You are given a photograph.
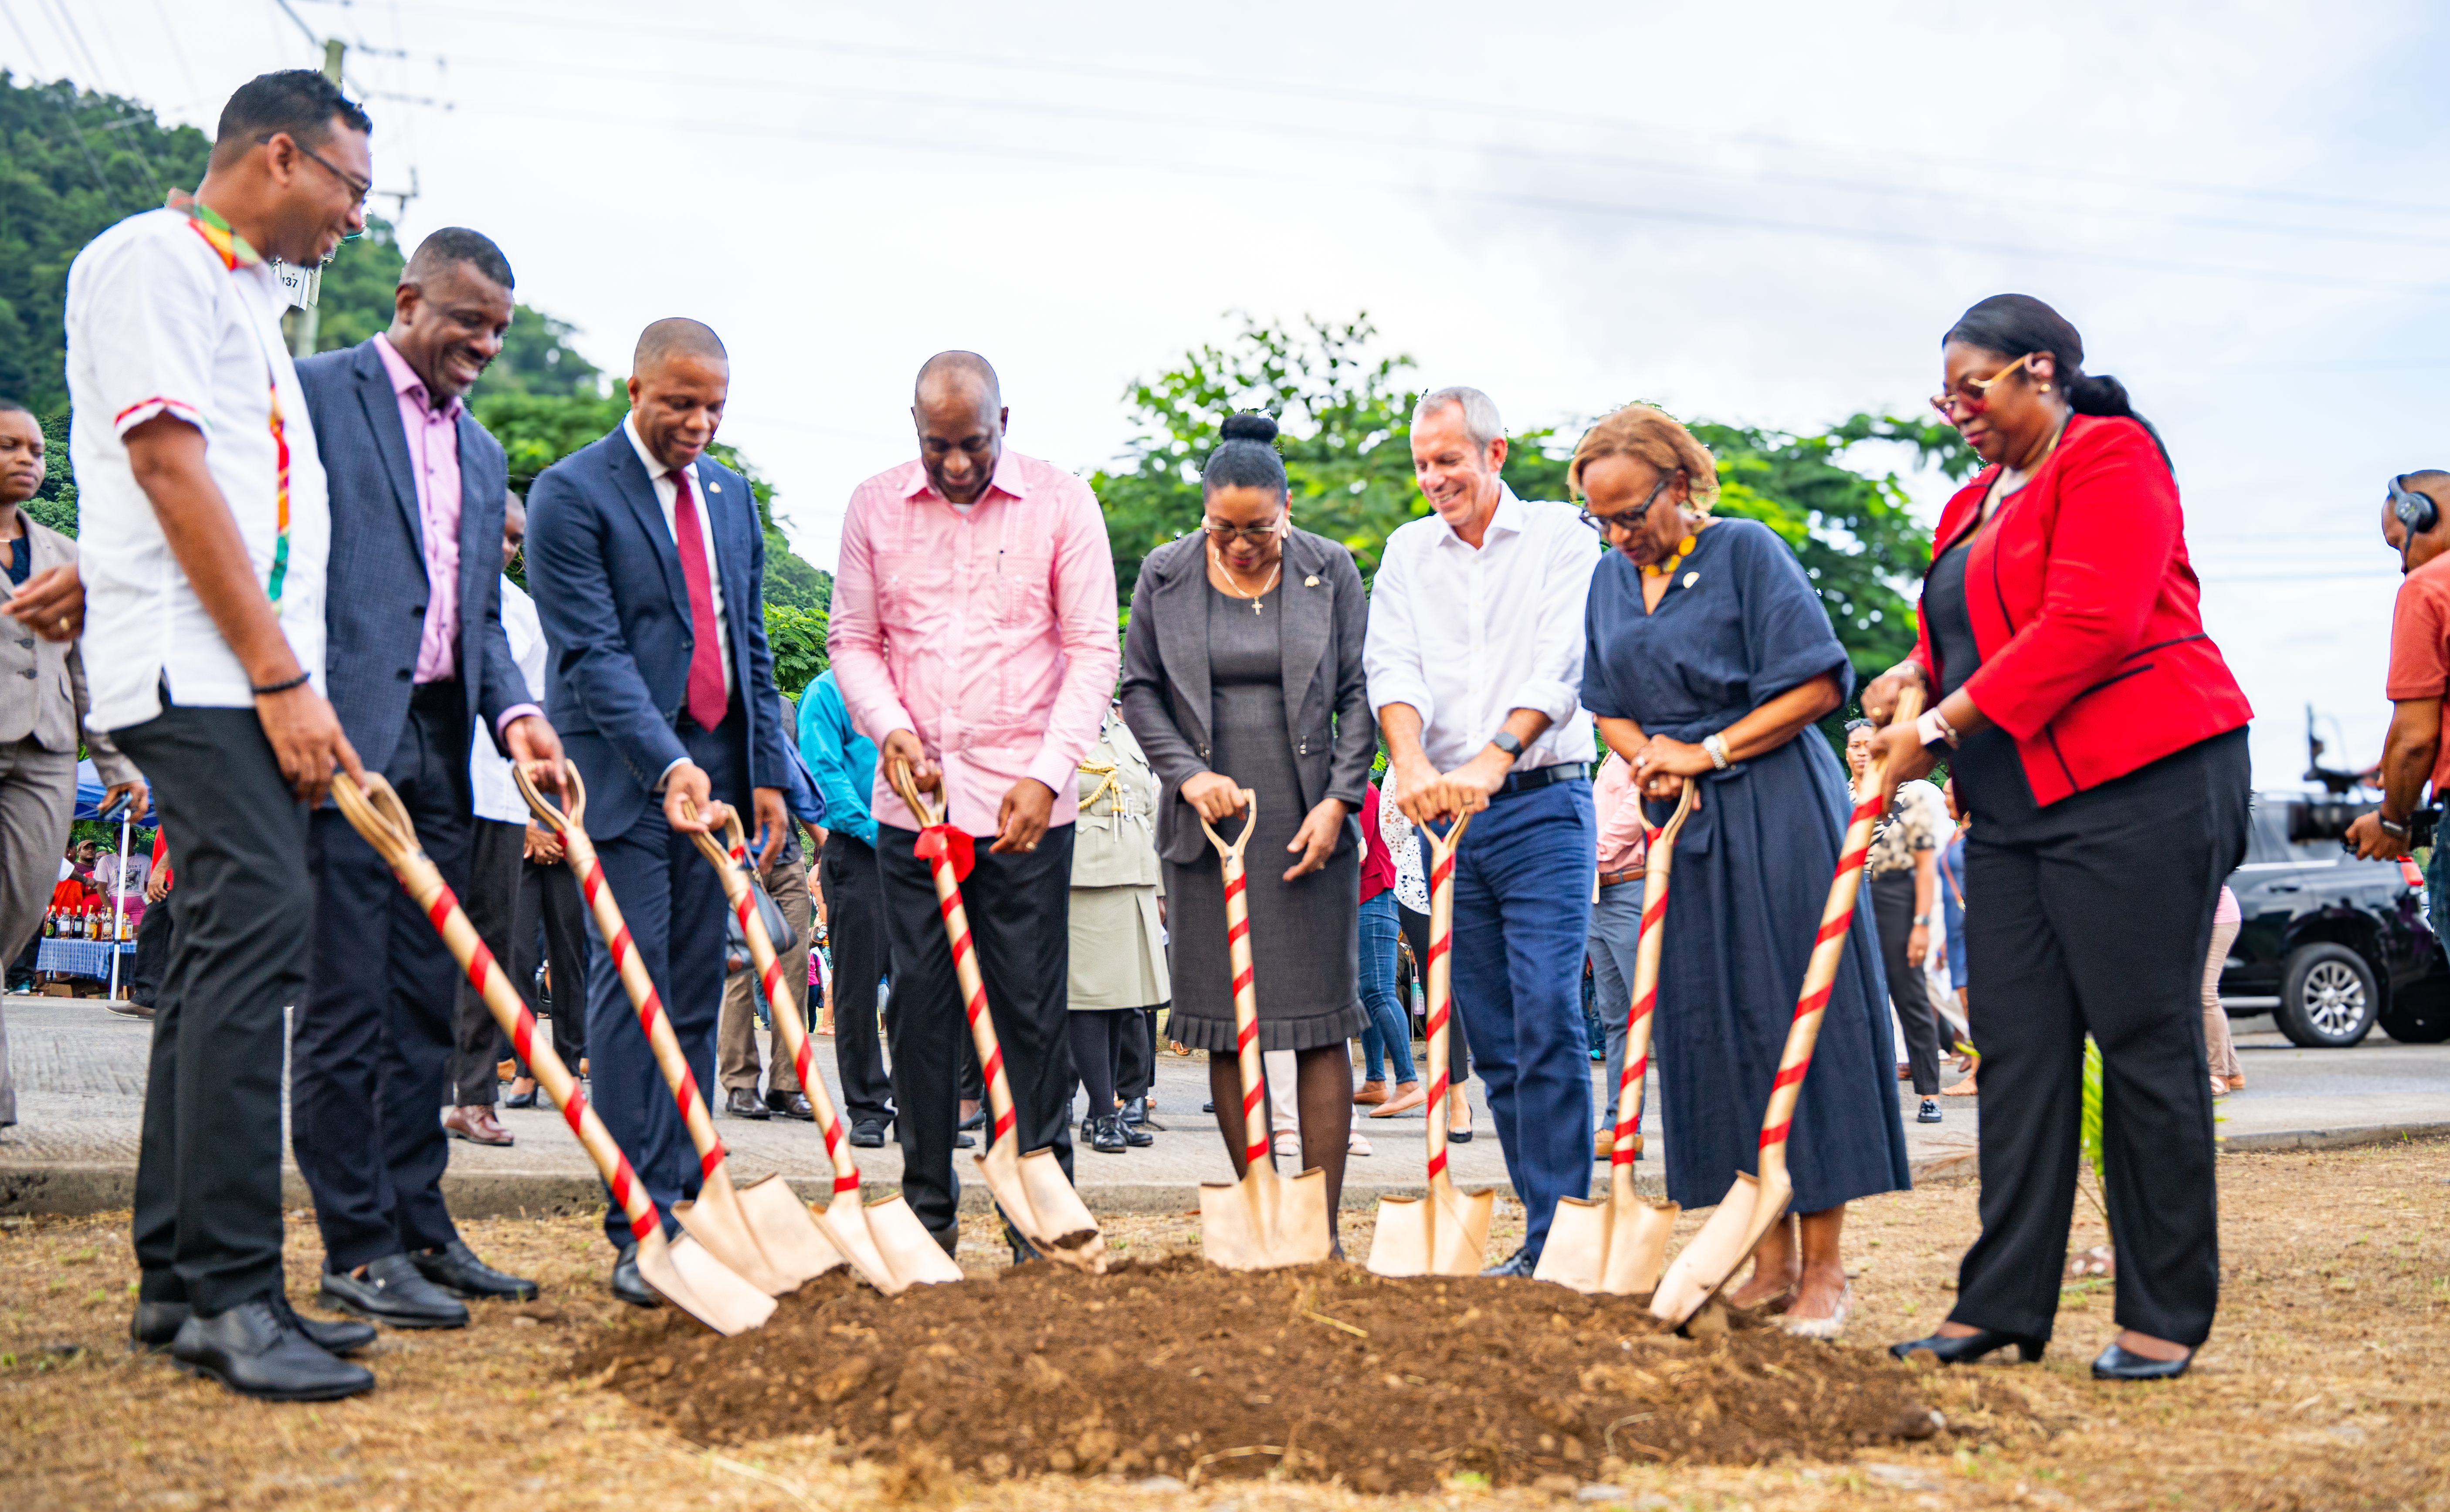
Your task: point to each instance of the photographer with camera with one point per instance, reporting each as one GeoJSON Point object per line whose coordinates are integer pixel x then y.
{"type": "Point", "coordinates": [2413, 523]}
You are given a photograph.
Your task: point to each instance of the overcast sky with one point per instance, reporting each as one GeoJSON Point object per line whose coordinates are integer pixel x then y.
{"type": "Point", "coordinates": [1752, 213]}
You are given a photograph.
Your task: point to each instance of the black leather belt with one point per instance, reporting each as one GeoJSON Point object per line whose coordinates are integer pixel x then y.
{"type": "Point", "coordinates": [1540, 777]}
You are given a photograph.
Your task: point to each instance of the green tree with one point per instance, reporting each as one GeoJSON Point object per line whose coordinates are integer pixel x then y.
{"type": "Point", "coordinates": [354, 298]}
{"type": "Point", "coordinates": [536, 357]}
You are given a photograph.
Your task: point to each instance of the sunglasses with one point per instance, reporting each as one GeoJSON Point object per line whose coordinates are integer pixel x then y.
{"type": "Point", "coordinates": [1978, 401]}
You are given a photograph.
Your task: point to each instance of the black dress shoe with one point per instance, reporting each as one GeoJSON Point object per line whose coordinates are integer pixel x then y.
{"type": "Point", "coordinates": [963, 1141]}
{"type": "Point", "coordinates": [1929, 1112]}
{"type": "Point", "coordinates": [627, 1285]}
{"type": "Point", "coordinates": [1972, 1346]}
{"type": "Point", "coordinates": [742, 1102]}
{"type": "Point", "coordinates": [155, 1324]}
{"type": "Point", "coordinates": [868, 1134]}
{"type": "Point", "coordinates": [1521, 1262]}
{"type": "Point", "coordinates": [977, 1119]}
{"type": "Point", "coordinates": [256, 1350]}
{"type": "Point", "coordinates": [792, 1105]}
{"type": "Point", "coordinates": [456, 1270]}
{"type": "Point", "coordinates": [392, 1291]}
{"type": "Point", "coordinates": [1133, 1135]}
{"type": "Point", "coordinates": [2115, 1364]}
{"type": "Point", "coordinates": [1136, 1112]}
{"type": "Point", "coordinates": [1106, 1135]}
{"type": "Point", "coordinates": [156, 1327]}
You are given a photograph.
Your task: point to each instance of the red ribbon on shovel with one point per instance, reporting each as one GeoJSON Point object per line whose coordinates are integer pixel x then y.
{"type": "Point", "coordinates": [951, 844]}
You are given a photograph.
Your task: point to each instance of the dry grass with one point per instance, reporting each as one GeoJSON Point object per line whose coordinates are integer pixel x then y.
{"type": "Point", "coordinates": [2326, 1384]}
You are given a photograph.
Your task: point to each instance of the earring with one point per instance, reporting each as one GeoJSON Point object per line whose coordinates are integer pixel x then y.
{"type": "Point", "coordinates": [2045, 388]}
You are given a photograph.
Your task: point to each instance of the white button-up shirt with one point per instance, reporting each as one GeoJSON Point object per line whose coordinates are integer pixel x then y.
{"type": "Point", "coordinates": [159, 323]}
{"type": "Point", "coordinates": [668, 494]}
{"type": "Point", "coordinates": [1468, 636]}
{"type": "Point", "coordinates": [488, 771]}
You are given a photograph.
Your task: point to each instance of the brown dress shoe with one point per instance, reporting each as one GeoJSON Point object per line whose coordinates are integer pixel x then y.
{"type": "Point", "coordinates": [1370, 1095]}
{"type": "Point", "coordinates": [476, 1125]}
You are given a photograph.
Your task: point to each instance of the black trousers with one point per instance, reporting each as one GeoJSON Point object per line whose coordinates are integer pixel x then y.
{"type": "Point", "coordinates": [1137, 1072]}
{"type": "Point", "coordinates": [491, 903]}
{"type": "Point", "coordinates": [2096, 915]}
{"type": "Point", "coordinates": [855, 926]}
{"type": "Point", "coordinates": [1020, 911]}
{"type": "Point", "coordinates": [551, 913]}
{"type": "Point", "coordinates": [208, 1229]}
{"type": "Point", "coordinates": [673, 904]}
{"type": "Point", "coordinates": [370, 1054]}
{"type": "Point", "coordinates": [1892, 911]}
{"type": "Point", "coordinates": [152, 955]}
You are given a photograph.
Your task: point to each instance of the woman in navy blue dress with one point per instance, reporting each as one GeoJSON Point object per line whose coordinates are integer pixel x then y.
{"type": "Point", "coordinates": [1709, 659]}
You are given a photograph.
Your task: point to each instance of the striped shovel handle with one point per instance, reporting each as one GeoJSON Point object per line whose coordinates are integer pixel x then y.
{"type": "Point", "coordinates": [579, 854]}
{"type": "Point", "coordinates": [376, 813]}
{"type": "Point", "coordinates": [1828, 949]}
{"type": "Point", "coordinates": [731, 858]}
{"type": "Point", "coordinates": [1246, 997]}
{"type": "Point", "coordinates": [1439, 970]}
{"type": "Point", "coordinates": [966, 962]}
{"type": "Point", "coordinates": [1659, 854]}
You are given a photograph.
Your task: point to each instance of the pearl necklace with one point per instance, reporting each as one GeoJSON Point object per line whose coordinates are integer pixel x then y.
{"type": "Point", "coordinates": [1683, 549]}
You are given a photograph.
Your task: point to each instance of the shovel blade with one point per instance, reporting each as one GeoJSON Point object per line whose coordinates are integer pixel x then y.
{"type": "Point", "coordinates": [1262, 1223]}
{"type": "Point", "coordinates": [1445, 1233]}
{"type": "Point", "coordinates": [1636, 1251]}
{"type": "Point", "coordinates": [701, 1286]}
{"type": "Point", "coordinates": [786, 1234]}
{"type": "Point", "coordinates": [1037, 1198]}
{"type": "Point", "coordinates": [1750, 1207]}
{"type": "Point", "coordinates": [715, 1221]}
{"type": "Point", "coordinates": [1577, 1253]}
{"type": "Point", "coordinates": [895, 1252]}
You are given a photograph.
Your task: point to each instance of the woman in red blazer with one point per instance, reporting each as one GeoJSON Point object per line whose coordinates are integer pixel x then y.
{"type": "Point", "coordinates": [2097, 737]}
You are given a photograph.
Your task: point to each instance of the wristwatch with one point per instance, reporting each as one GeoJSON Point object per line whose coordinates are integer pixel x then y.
{"type": "Point", "coordinates": [2394, 828]}
{"type": "Point", "coordinates": [1715, 746]}
{"type": "Point", "coordinates": [1505, 740]}
{"type": "Point", "coordinates": [1922, 920]}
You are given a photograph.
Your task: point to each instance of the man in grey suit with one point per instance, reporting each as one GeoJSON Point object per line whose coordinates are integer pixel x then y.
{"type": "Point", "coordinates": [416, 664]}
{"type": "Point", "coordinates": [42, 704]}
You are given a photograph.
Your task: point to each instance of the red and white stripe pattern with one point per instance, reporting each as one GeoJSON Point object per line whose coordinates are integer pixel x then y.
{"type": "Point", "coordinates": [974, 994]}
{"type": "Point", "coordinates": [785, 1011]}
{"type": "Point", "coordinates": [1246, 1007]}
{"type": "Point", "coordinates": [1820, 977]}
{"type": "Point", "coordinates": [1657, 853]}
{"type": "Point", "coordinates": [1439, 969]}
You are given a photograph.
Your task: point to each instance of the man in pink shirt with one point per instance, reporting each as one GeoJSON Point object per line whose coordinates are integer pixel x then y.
{"type": "Point", "coordinates": [973, 638]}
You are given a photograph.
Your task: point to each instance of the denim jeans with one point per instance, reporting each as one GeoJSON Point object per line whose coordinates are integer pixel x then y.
{"type": "Point", "coordinates": [1616, 930]}
{"type": "Point", "coordinates": [1521, 919]}
{"type": "Point", "coordinates": [1390, 1034]}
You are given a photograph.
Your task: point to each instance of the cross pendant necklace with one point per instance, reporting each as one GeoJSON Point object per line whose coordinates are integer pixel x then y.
{"type": "Point", "coordinates": [1236, 582]}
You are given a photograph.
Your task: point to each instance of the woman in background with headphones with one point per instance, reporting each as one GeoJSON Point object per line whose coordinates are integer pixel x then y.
{"type": "Point", "coordinates": [2097, 738]}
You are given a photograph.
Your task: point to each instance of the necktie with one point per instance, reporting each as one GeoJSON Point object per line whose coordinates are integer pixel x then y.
{"type": "Point", "coordinates": [706, 698]}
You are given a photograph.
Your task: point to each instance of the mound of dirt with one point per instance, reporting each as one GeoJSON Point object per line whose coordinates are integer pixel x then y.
{"type": "Point", "coordinates": [1171, 1365]}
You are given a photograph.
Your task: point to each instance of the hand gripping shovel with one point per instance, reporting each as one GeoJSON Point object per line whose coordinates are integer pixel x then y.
{"type": "Point", "coordinates": [763, 1232]}
{"type": "Point", "coordinates": [693, 1280]}
{"type": "Point", "coordinates": [1445, 1233]}
{"type": "Point", "coordinates": [1754, 1203]}
{"type": "Point", "coordinates": [1618, 1245]}
{"type": "Point", "coordinates": [1258, 1223]}
{"type": "Point", "coordinates": [1036, 1196]}
{"type": "Point", "coordinates": [887, 1244]}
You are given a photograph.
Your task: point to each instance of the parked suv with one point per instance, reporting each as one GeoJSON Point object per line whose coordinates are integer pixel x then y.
{"type": "Point", "coordinates": [2330, 946]}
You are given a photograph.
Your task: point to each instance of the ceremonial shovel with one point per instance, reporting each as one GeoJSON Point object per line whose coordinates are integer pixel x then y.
{"type": "Point", "coordinates": [1036, 1196]}
{"type": "Point", "coordinates": [761, 1231]}
{"type": "Point", "coordinates": [1616, 1246]}
{"type": "Point", "coordinates": [1260, 1222]}
{"type": "Point", "coordinates": [684, 1273]}
{"type": "Point", "coordinates": [1754, 1203]}
{"type": "Point", "coordinates": [886, 1243]}
{"type": "Point", "coordinates": [1445, 1233]}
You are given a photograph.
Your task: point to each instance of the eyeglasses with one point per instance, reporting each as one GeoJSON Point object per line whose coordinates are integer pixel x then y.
{"type": "Point", "coordinates": [363, 189]}
{"type": "Point", "coordinates": [1628, 521]}
{"type": "Point", "coordinates": [1251, 534]}
{"type": "Point", "coordinates": [1976, 403]}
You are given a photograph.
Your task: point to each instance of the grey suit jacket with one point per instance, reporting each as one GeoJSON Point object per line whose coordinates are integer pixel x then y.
{"type": "Point", "coordinates": [42, 683]}
{"type": "Point", "coordinates": [1166, 694]}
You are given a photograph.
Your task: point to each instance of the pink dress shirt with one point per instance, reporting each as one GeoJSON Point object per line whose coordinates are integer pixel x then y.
{"type": "Point", "coordinates": [1623, 834]}
{"type": "Point", "coordinates": [989, 635]}
{"type": "Point", "coordinates": [433, 461]}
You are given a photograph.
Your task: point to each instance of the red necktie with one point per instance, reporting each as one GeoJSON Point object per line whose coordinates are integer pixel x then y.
{"type": "Point", "coordinates": [706, 698]}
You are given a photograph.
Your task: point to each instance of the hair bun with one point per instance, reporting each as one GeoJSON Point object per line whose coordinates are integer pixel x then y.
{"type": "Point", "coordinates": [1251, 425]}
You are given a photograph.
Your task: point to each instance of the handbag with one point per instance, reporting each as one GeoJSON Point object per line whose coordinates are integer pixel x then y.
{"type": "Point", "coordinates": [778, 930]}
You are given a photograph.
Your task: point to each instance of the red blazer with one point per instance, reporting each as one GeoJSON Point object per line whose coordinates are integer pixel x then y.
{"type": "Point", "coordinates": [2086, 612]}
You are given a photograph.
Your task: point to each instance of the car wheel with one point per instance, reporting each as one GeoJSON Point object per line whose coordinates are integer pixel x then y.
{"type": "Point", "coordinates": [2419, 1013]}
{"type": "Point", "coordinates": [2327, 997]}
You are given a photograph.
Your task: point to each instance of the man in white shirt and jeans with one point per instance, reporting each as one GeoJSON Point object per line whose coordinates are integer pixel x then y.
{"type": "Point", "coordinates": [1475, 666]}
{"type": "Point", "coordinates": [204, 530]}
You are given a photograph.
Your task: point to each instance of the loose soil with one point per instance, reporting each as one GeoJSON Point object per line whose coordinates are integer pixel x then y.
{"type": "Point", "coordinates": [1170, 1365]}
{"type": "Point", "coordinates": [2324, 1386]}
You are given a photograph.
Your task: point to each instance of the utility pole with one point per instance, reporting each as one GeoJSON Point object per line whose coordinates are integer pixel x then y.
{"type": "Point", "coordinates": [302, 342]}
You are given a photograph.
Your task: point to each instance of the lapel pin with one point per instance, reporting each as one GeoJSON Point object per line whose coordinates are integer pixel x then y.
{"type": "Point", "coordinates": [714, 487]}
{"type": "Point", "coordinates": [1311, 581]}
{"type": "Point", "coordinates": [1691, 578]}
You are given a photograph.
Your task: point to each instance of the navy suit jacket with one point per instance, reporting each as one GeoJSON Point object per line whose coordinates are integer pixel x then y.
{"type": "Point", "coordinates": [607, 586]}
{"type": "Point", "coordinates": [374, 583]}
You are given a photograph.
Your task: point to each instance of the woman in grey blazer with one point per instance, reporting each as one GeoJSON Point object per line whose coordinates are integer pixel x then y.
{"type": "Point", "coordinates": [1242, 668]}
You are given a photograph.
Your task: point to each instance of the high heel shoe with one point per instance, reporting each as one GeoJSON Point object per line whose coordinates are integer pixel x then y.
{"type": "Point", "coordinates": [2118, 1363]}
{"type": "Point", "coordinates": [1971, 1346]}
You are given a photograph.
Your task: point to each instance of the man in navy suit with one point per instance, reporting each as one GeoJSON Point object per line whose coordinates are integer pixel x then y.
{"type": "Point", "coordinates": [417, 663]}
{"type": "Point", "coordinates": [648, 567]}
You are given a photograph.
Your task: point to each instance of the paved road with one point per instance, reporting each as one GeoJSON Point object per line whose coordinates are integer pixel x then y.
{"type": "Point", "coordinates": [80, 1076]}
